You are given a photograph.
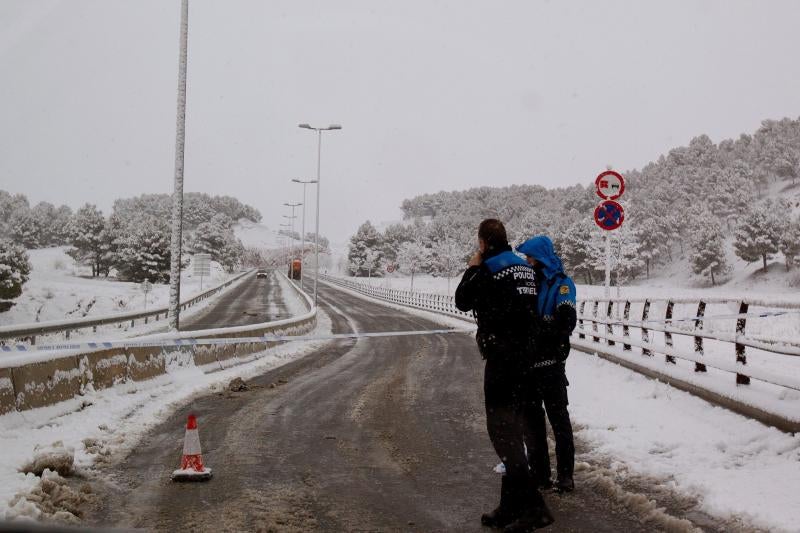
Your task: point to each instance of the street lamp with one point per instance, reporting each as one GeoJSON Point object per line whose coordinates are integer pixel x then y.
{"type": "Point", "coordinates": [316, 233]}
{"type": "Point", "coordinates": [285, 243]}
{"type": "Point", "coordinates": [303, 235]}
{"type": "Point", "coordinates": [291, 236]}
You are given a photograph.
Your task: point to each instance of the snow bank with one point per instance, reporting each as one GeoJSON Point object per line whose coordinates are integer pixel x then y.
{"type": "Point", "coordinates": [60, 289]}
{"type": "Point", "coordinates": [104, 424]}
{"type": "Point", "coordinates": [735, 467]}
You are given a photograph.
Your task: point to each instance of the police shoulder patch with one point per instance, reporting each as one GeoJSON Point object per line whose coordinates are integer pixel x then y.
{"type": "Point", "coordinates": [564, 289]}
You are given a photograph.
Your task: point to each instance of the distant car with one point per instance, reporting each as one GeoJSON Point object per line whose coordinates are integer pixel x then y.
{"type": "Point", "coordinates": [262, 273]}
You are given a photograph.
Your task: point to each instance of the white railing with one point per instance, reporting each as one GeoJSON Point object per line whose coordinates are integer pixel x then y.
{"type": "Point", "coordinates": [438, 303]}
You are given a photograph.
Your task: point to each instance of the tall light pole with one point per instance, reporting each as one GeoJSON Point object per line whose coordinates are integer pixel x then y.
{"type": "Point", "coordinates": [291, 253]}
{"type": "Point", "coordinates": [177, 194]}
{"type": "Point", "coordinates": [285, 244]}
{"type": "Point", "coordinates": [316, 232]}
{"type": "Point", "coordinates": [303, 236]}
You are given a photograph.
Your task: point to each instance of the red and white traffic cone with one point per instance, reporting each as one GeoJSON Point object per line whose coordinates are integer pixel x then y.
{"type": "Point", "coordinates": [192, 468]}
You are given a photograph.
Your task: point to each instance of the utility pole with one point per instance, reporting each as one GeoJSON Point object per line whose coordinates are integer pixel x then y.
{"type": "Point", "coordinates": [177, 194]}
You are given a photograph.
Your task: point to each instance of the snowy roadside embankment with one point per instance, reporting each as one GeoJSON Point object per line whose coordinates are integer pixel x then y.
{"type": "Point", "coordinates": [105, 424]}
{"type": "Point", "coordinates": [59, 289]}
{"type": "Point", "coordinates": [735, 468]}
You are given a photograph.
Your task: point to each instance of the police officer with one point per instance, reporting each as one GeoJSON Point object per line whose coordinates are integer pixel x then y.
{"type": "Point", "coordinates": [556, 306]}
{"type": "Point", "coordinates": [500, 289]}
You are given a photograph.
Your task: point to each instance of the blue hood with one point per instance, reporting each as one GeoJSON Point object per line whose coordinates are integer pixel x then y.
{"type": "Point", "coordinates": [541, 248]}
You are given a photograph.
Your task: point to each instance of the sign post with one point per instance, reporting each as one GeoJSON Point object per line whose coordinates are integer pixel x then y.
{"type": "Point", "coordinates": [146, 288]}
{"type": "Point", "coordinates": [202, 266]}
{"type": "Point", "coordinates": [609, 215]}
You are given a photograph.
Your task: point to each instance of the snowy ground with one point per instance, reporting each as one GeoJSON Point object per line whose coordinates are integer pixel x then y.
{"type": "Point", "coordinates": [733, 466]}
{"type": "Point", "coordinates": [102, 424]}
{"type": "Point", "coordinates": [59, 289]}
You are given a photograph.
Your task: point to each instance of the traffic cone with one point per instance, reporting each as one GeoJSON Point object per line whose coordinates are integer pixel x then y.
{"type": "Point", "coordinates": [192, 468]}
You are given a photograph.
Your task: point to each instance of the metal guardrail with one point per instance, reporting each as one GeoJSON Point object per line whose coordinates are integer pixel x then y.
{"type": "Point", "coordinates": [438, 303]}
{"type": "Point", "coordinates": [29, 332]}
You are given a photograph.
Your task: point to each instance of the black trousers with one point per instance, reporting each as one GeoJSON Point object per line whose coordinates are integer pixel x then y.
{"type": "Point", "coordinates": [505, 395]}
{"type": "Point", "coordinates": [548, 394]}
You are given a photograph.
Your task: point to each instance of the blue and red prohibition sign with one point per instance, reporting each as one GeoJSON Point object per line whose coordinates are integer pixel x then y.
{"type": "Point", "coordinates": [609, 215]}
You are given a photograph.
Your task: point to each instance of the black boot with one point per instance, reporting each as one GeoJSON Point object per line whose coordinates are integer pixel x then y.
{"type": "Point", "coordinates": [565, 483]}
{"type": "Point", "coordinates": [534, 515]}
{"type": "Point", "coordinates": [507, 511]}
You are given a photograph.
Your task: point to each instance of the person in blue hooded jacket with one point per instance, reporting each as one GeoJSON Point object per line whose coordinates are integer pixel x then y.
{"type": "Point", "coordinates": [556, 306]}
{"type": "Point", "coordinates": [499, 287]}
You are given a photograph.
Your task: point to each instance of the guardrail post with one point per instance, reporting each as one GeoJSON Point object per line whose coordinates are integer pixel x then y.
{"type": "Point", "coordinates": [594, 321]}
{"type": "Point", "coordinates": [741, 357]}
{"type": "Point", "coordinates": [645, 331]}
{"type": "Point", "coordinates": [698, 340]}
{"type": "Point", "coordinates": [626, 331]}
{"type": "Point", "coordinates": [580, 321]}
{"type": "Point", "coordinates": [667, 334]}
{"type": "Point", "coordinates": [609, 327]}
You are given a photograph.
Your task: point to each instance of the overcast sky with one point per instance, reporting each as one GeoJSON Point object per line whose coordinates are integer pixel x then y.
{"type": "Point", "coordinates": [432, 95]}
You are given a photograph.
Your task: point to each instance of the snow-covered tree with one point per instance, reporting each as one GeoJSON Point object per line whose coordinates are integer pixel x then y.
{"type": "Point", "coordinates": [758, 235]}
{"type": "Point", "coordinates": [626, 259]}
{"type": "Point", "coordinates": [86, 235]}
{"type": "Point", "coordinates": [707, 248]}
{"type": "Point", "coordinates": [216, 237]}
{"type": "Point", "coordinates": [14, 269]}
{"type": "Point", "coordinates": [579, 248]}
{"type": "Point", "coordinates": [372, 262]}
{"type": "Point", "coordinates": [789, 244]}
{"type": "Point", "coordinates": [144, 254]}
{"type": "Point", "coordinates": [366, 238]}
{"type": "Point", "coordinates": [412, 257]}
{"type": "Point", "coordinates": [25, 228]}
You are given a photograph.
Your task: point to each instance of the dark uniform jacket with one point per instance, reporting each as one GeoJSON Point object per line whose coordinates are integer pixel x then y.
{"type": "Point", "coordinates": [556, 303]}
{"type": "Point", "coordinates": [501, 293]}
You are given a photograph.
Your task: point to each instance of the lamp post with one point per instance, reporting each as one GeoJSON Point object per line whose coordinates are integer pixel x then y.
{"type": "Point", "coordinates": [316, 233]}
{"type": "Point", "coordinates": [291, 236]}
{"type": "Point", "coordinates": [285, 244]}
{"type": "Point", "coordinates": [303, 236]}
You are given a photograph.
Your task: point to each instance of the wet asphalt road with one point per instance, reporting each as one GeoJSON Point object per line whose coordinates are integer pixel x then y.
{"type": "Point", "coordinates": [376, 434]}
{"type": "Point", "coordinates": [252, 301]}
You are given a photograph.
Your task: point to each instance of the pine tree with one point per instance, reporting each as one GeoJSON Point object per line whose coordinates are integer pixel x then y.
{"type": "Point", "coordinates": [757, 236]}
{"type": "Point", "coordinates": [412, 257]}
{"type": "Point", "coordinates": [144, 254]}
{"type": "Point", "coordinates": [86, 235]}
{"type": "Point", "coordinates": [26, 228]}
{"type": "Point", "coordinates": [789, 244]}
{"type": "Point", "coordinates": [366, 238]}
{"type": "Point", "coordinates": [14, 269]}
{"type": "Point", "coordinates": [707, 248]}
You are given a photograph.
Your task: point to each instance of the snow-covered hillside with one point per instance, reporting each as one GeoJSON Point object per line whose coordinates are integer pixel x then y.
{"type": "Point", "coordinates": [59, 289]}
{"type": "Point", "coordinates": [255, 235]}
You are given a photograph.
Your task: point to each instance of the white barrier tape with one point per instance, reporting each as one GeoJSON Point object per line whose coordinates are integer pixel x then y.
{"type": "Point", "coordinates": [634, 323]}
{"type": "Point", "coordinates": [223, 341]}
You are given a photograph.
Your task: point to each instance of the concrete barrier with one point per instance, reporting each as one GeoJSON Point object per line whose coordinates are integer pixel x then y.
{"type": "Point", "coordinates": [38, 379]}
{"type": "Point", "coordinates": [7, 397]}
{"type": "Point", "coordinates": [47, 382]}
